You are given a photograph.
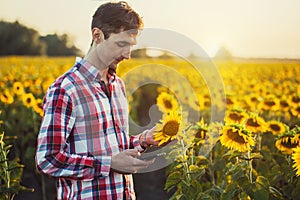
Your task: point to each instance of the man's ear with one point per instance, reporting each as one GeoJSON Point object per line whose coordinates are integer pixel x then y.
{"type": "Point", "coordinates": [97, 35]}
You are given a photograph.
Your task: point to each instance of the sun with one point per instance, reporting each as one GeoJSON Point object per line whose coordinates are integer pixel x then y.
{"type": "Point", "coordinates": [169, 127]}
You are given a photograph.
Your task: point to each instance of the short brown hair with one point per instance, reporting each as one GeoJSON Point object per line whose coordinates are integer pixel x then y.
{"type": "Point", "coordinates": [115, 18]}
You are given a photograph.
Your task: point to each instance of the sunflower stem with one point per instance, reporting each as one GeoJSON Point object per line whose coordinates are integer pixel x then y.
{"type": "Point", "coordinates": [185, 164]}
{"type": "Point", "coordinates": [258, 136]}
{"type": "Point", "coordinates": [250, 167]}
{"type": "Point", "coordinates": [211, 169]}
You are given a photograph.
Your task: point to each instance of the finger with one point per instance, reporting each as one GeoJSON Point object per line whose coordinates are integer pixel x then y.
{"type": "Point", "coordinates": [153, 129]}
{"type": "Point", "coordinates": [132, 152]}
{"type": "Point", "coordinates": [142, 163]}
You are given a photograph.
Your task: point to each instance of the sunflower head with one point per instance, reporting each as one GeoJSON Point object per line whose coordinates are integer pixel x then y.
{"type": "Point", "coordinates": [288, 141]}
{"type": "Point", "coordinates": [276, 127]}
{"type": "Point", "coordinates": [236, 137]}
{"type": "Point", "coordinates": [166, 102]}
{"type": "Point", "coordinates": [18, 88]}
{"type": "Point", "coordinates": [6, 97]}
{"type": "Point", "coordinates": [29, 100]}
{"type": "Point", "coordinates": [235, 115]}
{"type": "Point", "coordinates": [169, 127]}
{"type": "Point", "coordinates": [255, 123]}
{"type": "Point", "coordinates": [296, 110]}
{"type": "Point", "coordinates": [296, 160]}
{"type": "Point", "coordinates": [270, 103]}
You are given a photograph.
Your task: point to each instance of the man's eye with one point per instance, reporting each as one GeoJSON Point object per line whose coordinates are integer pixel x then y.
{"type": "Point", "coordinates": [121, 44]}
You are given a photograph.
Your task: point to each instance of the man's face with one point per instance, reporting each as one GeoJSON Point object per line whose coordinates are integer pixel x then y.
{"type": "Point", "coordinates": [116, 48]}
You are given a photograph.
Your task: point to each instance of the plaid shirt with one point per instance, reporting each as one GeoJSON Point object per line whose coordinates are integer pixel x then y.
{"type": "Point", "coordinates": [81, 129]}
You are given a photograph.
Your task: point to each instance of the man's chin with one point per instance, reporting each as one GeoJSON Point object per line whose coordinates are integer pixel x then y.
{"type": "Point", "coordinates": [113, 68]}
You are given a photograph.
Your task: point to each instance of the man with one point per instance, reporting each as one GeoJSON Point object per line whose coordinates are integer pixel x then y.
{"type": "Point", "coordinates": [83, 139]}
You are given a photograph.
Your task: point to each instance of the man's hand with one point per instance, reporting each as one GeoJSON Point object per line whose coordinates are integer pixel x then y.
{"type": "Point", "coordinates": [147, 138]}
{"type": "Point", "coordinates": [150, 137]}
{"type": "Point", "coordinates": [126, 162]}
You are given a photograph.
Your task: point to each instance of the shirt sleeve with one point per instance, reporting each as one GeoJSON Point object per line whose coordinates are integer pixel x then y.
{"type": "Point", "coordinates": [135, 142]}
{"type": "Point", "coordinates": [56, 127]}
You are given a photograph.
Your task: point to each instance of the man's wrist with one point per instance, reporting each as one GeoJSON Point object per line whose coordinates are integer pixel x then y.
{"type": "Point", "coordinates": [143, 139]}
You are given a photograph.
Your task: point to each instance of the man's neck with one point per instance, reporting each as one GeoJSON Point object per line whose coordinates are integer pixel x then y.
{"type": "Point", "coordinates": [94, 60]}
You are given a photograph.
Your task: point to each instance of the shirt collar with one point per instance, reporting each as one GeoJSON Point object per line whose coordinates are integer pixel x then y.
{"type": "Point", "coordinates": [91, 72]}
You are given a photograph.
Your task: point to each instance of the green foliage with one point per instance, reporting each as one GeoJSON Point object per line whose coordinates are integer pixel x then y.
{"type": "Point", "coordinates": [259, 174]}
{"type": "Point", "coordinates": [25, 131]}
{"type": "Point", "coordinates": [59, 45]}
{"type": "Point", "coordinates": [17, 39]}
{"type": "Point", "coordinates": [10, 173]}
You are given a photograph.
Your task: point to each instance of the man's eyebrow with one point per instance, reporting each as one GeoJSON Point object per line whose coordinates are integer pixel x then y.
{"type": "Point", "coordinates": [125, 42]}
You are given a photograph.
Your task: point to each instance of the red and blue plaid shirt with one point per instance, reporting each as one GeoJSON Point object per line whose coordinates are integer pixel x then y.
{"type": "Point", "coordinates": [81, 129]}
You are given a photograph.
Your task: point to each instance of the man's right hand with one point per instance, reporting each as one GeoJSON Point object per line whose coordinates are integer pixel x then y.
{"type": "Point", "coordinates": [126, 162]}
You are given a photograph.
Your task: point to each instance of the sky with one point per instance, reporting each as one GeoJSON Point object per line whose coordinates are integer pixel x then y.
{"type": "Point", "coordinates": [247, 28]}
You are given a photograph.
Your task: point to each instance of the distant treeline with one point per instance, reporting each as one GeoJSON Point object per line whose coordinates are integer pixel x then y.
{"type": "Point", "coordinates": [17, 39]}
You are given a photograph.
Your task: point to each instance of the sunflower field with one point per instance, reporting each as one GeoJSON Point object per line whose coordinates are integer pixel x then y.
{"type": "Point", "coordinates": [251, 150]}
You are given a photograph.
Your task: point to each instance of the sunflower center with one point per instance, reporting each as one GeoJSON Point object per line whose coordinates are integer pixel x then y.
{"type": "Point", "coordinates": [167, 104]}
{"type": "Point", "coordinates": [207, 103]}
{"type": "Point", "coordinates": [229, 101]}
{"type": "Point", "coordinates": [275, 127]}
{"type": "Point", "coordinates": [284, 104]}
{"type": "Point", "coordinates": [235, 116]}
{"type": "Point", "coordinates": [200, 134]}
{"type": "Point", "coordinates": [171, 128]}
{"type": "Point", "coordinates": [28, 100]}
{"type": "Point", "coordinates": [251, 122]}
{"type": "Point", "coordinates": [270, 103]}
{"type": "Point", "coordinates": [254, 99]}
{"type": "Point", "coordinates": [290, 143]}
{"type": "Point", "coordinates": [296, 99]}
{"type": "Point", "coordinates": [235, 136]}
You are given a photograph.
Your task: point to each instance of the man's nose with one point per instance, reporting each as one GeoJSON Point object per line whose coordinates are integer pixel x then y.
{"type": "Point", "coordinates": [126, 53]}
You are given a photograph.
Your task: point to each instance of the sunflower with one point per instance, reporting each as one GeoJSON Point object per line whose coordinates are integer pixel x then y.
{"type": "Point", "coordinates": [236, 137]}
{"type": "Point", "coordinates": [276, 127]}
{"type": "Point", "coordinates": [255, 123]}
{"type": "Point", "coordinates": [295, 99]}
{"type": "Point", "coordinates": [287, 142]}
{"type": "Point", "coordinates": [230, 101]}
{"type": "Point", "coordinates": [270, 103]}
{"type": "Point", "coordinates": [252, 100]}
{"type": "Point", "coordinates": [29, 100]}
{"type": "Point", "coordinates": [235, 116]}
{"type": "Point", "coordinates": [6, 97]}
{"type": "Point", "coordinates": [170, 126]}
{"type": "Point", "coordinates": [296, 158]}
{"type": "Point", "coordinates": [18, 88]}
{"type": "Point", "coordinates": [166, 102]}
{"type": "Point", "coordinates": [284, 104]}
{"type": "Point", "coordinates": [196, 102]}
{"type": "Point", "coordinates": [38, 107]}
{"type": "Point", "coordinates": [199, 132]}
{"type": "Point", "coordinates": [296, 110]}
